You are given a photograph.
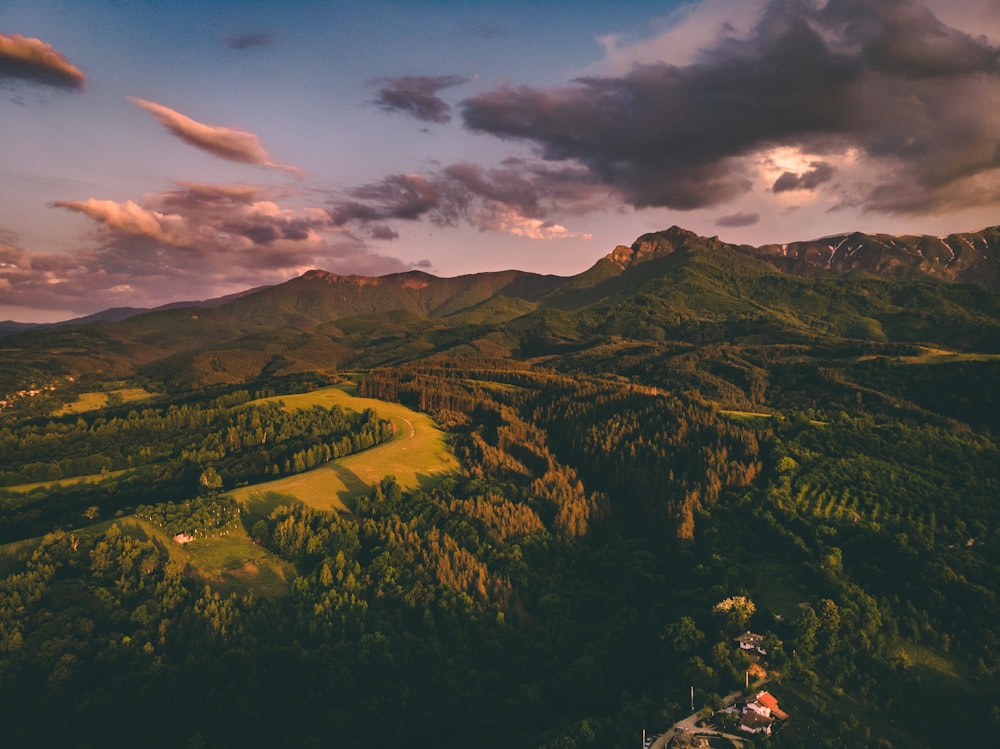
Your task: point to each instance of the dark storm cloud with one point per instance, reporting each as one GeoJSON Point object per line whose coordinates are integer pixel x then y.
{"type": "Point", "coordinates": [383, 232]}
{"type": "Point", "coordinates": [417, 95]}
{"type": "Point", "coordinates": [736, 220]}
{"type": "Point", "coordinates": [818, 173]}
{"type": "Point", "coordinates": [886, 78]}
{"type": "Point", "coordinates": [399, 196]}
{"type": "Point", "coordinates": [33, 60]}
{"type": "Point", "coordinates": [497, 199]}
{"type": "Point", "coordinates": [246, 41]}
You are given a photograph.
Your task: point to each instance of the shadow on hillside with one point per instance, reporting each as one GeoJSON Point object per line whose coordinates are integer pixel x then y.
{"type": "Point", "coordinates": [428, 481]}
{"type": "Point", "coordinates": [262, 504]}
{"type": "Point", "coordinates": [354, 486]}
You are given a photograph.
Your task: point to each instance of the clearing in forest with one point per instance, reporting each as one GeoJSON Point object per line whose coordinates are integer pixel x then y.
{"type": "Point", "coordinates": [417, 456]}
{"type": "Point", "coordinates": [92, 401]}
{"type": "Point", "coordinates": [228, 560]}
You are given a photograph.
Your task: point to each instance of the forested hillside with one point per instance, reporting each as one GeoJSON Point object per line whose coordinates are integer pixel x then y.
{"type": "Point", "coordinates": [682, 444]}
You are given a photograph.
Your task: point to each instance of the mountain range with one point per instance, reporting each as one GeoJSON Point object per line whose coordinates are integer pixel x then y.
{"type": "Point", "coordinates": [671, 285]}
{"type": "Point", "coordinates": [689, 440]}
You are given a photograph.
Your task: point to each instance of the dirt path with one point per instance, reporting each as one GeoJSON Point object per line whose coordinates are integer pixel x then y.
{"type": "Point", "coordinates": [410, 425]}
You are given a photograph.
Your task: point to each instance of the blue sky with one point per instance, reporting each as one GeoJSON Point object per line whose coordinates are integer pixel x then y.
{"type": "Point", "coordinates": [158, 151]}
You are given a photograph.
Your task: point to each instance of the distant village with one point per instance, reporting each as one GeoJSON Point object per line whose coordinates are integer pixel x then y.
{"type": "Point", "coordinates": [9, 399]}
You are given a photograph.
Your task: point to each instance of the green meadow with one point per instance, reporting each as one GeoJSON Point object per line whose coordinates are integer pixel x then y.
{"type": "Point", "coordinates": [92, 478]}
{"type": "Point", "coordinates": [92, 401]}
{"type": "Point", "coordinates": [417, 456]}
{"type": "Point", "coordinates": [228, 560]}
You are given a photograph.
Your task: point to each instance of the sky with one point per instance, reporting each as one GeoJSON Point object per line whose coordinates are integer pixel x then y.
{"type": "Point", "coordinates": [154, 151]}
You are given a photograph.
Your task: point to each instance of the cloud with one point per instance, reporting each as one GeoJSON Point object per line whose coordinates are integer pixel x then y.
{"type": "Point", "coordinates": [918, 98]}
{"type": "Point", "coordinates": [398, 196]}
{"type": "Point", "coordinates": [246, 41]}
{"type": "Point", "coordinates": [736, 220]}
{"type": "Point", "coordinates": [130, 218]}
{"type": "Point", "coordinates": [384, 232]}
{"type": "Point", "coordinates": [417, 95]}
{"type": "Point", "coordinates": [224, 142]}
{"type": "Point", "coordinates": [532, 228]}
{"type": "Point", "coordinates": [209, 217]}
{"type": "Point", "coordinates": [193, 241]}
{"type": "Point", "coordinates": [34, 60]}
{"type": "Point", "coordinates": [819, 172]}
{"type": "Point", "coordinates": [519, 197]}
{"type": "Point", "coordinates": [681, 37]}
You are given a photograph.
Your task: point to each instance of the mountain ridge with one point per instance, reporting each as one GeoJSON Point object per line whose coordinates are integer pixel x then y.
{"type": "Point", "coordinates": [671, 285]}
{"type": "Point", "coordinates": [962, 257]}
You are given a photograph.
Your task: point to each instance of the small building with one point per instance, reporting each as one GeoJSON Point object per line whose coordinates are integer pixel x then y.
{"type": "Point", "coordinates": [767, 700]}
{"type": "Point", "coordinates": [755, 722]}
{"type": "Point", "coordinates": [750, 641]}
{"type": "Point", "coordinates": [759, 712]}
{"type": "Point", "coordinates": [183, 538]}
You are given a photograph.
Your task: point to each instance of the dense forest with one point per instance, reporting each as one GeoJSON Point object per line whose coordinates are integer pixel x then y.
{"type": "Point", "coordinates": [650, 465]}
{"type": "Point", "coordinates": [563, 591]}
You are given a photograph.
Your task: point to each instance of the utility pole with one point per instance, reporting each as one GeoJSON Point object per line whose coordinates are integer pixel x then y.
{"type": "Point", "coordinates": [692, 698]}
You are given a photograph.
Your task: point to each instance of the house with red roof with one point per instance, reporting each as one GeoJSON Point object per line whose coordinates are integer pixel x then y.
{"type": "Point", "coordinates": [759, 713]}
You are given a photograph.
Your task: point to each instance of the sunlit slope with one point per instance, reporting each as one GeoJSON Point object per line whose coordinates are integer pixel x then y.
{"type": "Point", "coordinates": [417, 456]}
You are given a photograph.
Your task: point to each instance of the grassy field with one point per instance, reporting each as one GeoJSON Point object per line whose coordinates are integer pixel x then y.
{"type": "Point", "coordinates": [229, 561]}
{"type": "Point", "coordinates": [92, 478]}
{"type": "Point", "coordinates": [13, 555]}
{"type": "Point", "coordinates": [417, 456]}
{"type": "Point", "coordinates": [938, 664]}
{"type": "Point", "coordinates": [932, 355]}
{"type": "Point", "coordinates": [746, 416]}
{"type": "Point", "coordinates": [93, 401]}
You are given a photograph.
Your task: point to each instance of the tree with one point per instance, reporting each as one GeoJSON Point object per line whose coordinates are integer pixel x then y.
{"type": "Point", "coordinates": [735, 610]}
{"type": "Point", "coordinates": [260, 532]}
{"type": "Point", "coordinates": [683, 634]}
{"type": "Point", "coordinates": [210, 478]}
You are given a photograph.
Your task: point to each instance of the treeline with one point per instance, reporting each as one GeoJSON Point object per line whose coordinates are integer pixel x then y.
{"type": "Point", "coordinates": [663, 456]}
{"type": "Point", "coordinates": [201, 517]}
{"type": "Point", "coordinates": [244, 443]}
{"type": "Point", "coordinates": [496, 439]}
{"type": "Point", "coordinates": [170, 453]}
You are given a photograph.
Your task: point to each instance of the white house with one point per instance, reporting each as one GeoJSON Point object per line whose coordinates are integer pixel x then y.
{"type": "Point", "coordinates": [750, 641]}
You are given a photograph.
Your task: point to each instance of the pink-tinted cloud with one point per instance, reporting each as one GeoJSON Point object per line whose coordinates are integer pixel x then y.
{"type": "Point", "coordinates": [193, 241]}
{"type": "Point", "coordinates": [225, 142]}
{"type": "Point", "coordinates": [34, 60]}
{"type": "Point", "coordinates": [131, 218]}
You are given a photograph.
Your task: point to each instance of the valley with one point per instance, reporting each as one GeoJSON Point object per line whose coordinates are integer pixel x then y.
{"type": "Point", "coordinates": [514, 506]}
